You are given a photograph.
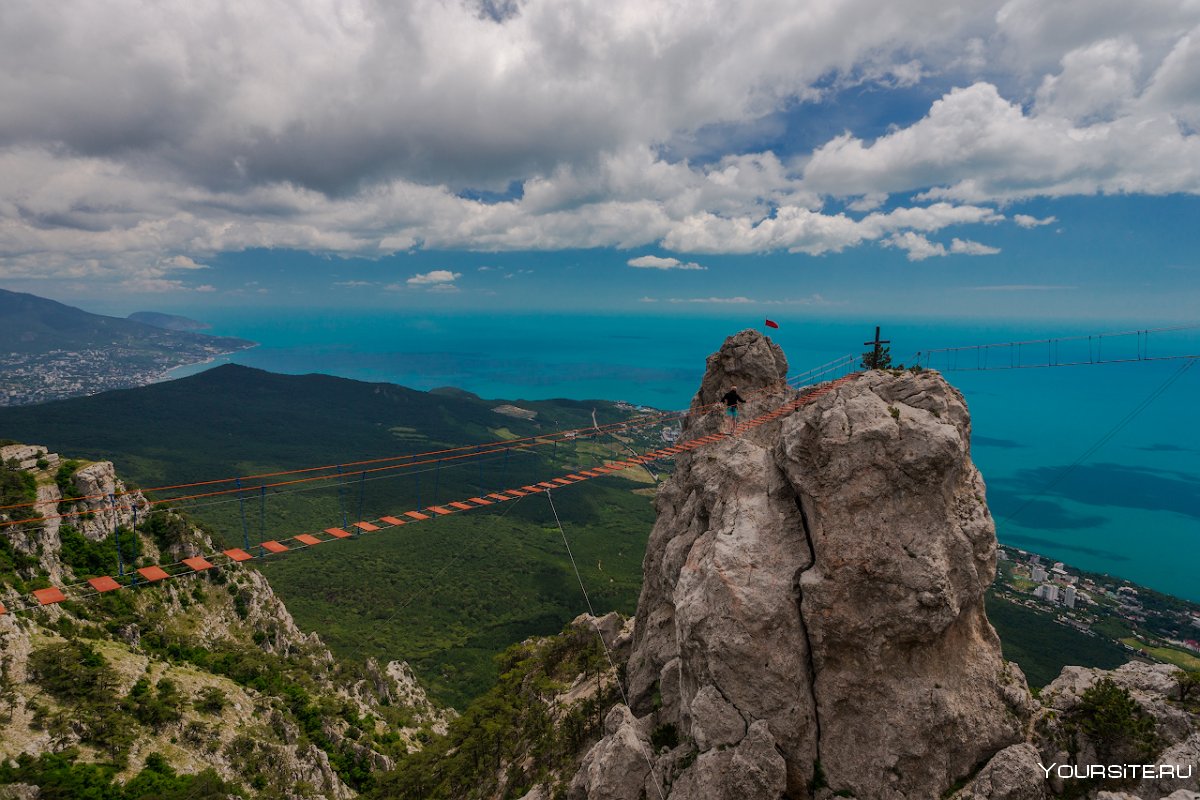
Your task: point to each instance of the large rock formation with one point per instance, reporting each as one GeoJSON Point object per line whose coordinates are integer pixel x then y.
{"type": "Point", "coordinates": [812, 617]}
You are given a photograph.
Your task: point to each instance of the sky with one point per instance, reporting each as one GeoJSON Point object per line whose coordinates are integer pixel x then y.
{"type": "Point", "coordinates": [1035, 158]}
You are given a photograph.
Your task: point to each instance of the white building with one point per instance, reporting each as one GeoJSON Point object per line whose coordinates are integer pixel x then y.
{"type": "Point", "coordinates": [1069, 597]}
{"type": "Point", "coordinates": [1038, 574]}
{"type": "Point", "coordinates": [1047, 592]}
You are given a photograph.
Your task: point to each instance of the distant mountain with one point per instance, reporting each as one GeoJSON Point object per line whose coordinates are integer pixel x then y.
{"type": "Point", "coordinates": [170, 322]}
{"type": "Point", "coordinates": [50, 351]}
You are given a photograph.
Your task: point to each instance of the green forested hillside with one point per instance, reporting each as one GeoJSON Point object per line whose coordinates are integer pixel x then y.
{"type": "Point", "coordinates": [234, 420]}
{"type": "Point", "coordinates": [446, 595]}
{"type": "Point", "coordinates": [452, 593]}
{"type": "Point", "coordinates": [1042, 647]}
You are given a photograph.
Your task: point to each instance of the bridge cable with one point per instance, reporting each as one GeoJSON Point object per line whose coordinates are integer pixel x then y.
{"type": "Point", "coordinates": [600, 636]}
{"type": "Point", "coordinates": [1103, 440]}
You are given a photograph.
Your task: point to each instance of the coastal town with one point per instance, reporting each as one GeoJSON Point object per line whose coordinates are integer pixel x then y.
{"type": "Point", "coordinates": [57, 374]}
{"type": "Point", "coordinates": [1145, 623]}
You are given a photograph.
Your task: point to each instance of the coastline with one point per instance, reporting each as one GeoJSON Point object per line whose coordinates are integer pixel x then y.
{"type": "Point", "coordinates": [194, 367]}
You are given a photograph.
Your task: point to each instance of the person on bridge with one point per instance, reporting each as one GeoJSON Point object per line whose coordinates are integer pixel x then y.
{"type": "Point", "coordinates": [731, 399]}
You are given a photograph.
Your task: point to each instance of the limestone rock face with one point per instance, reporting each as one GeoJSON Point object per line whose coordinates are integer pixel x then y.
{"type": "Point", "coordinates": [908, 673]}
{"type": "Point", "coordinates": [618, 766]}
{"type": "Point", "coordinates": [91, 512]}
{"type": "Point", "coordinates": [1153, 686]}
{"type": "Point", "coordinates": [753, 768]}
{"type": "Point", "coordinates": [812, 607]}
{"type": "Point", "coordinates": [1012, 774]}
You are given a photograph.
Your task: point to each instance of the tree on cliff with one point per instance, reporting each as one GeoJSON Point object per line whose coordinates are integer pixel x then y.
{"type": "Point", "coordinates": [881, 361]}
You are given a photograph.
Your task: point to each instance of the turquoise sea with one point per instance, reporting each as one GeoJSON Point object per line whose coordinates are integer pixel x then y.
{"type": "Point", "coordinates": [1069, 476]}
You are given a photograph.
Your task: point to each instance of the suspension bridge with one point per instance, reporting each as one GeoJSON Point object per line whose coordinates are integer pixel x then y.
{"type": "Point", "coordinates": [1106, 348]}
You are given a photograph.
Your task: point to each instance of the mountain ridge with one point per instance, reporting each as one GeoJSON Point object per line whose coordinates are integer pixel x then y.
{"type": "Point", "coordinates": [27, 318]}
{"type": "Point", "coordinates": [172, 322]}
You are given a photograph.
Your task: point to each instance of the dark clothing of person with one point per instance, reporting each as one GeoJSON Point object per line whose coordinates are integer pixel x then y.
{"type": "Point", "coordinates": [732, 398]}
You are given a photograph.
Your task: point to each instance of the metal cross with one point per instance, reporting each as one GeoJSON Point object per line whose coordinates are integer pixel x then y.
{"type": "Point", "coordinates": [877, 342]}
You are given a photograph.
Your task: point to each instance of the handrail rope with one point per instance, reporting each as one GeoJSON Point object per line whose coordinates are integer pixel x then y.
{"type": "Point", "coordinates": [340, 480]}
{"type": "Point", "coordinates": [78, 585]}
{"type": "Point", "coordinates": [474, 452]}
{"type": "Point", "coordinates": [1002, 368]}
{"type": "Point", "coordinates": [348, 479]}
{"type": "Point", "coordinates": [223, 560]}
{"type": "Point", "coordinates": [535, 440]}
{"type": "Point", "coordinates": [1079, 337]}
{"type": "Point", "coordinates": [1103, 440]}
{"type": "Point", "coordinates": [167, 505]}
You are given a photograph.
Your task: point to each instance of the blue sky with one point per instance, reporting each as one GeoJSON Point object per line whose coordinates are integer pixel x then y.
{"type": "Point", "coordinates": [1011, 159]}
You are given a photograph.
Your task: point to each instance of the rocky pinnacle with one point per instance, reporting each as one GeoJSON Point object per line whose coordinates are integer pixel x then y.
{"type": "Point", "coordinates": [811, 619]}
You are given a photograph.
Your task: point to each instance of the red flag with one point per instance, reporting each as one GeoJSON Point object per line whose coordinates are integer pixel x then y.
{"type": "Point", "coordinates": [772, 323]}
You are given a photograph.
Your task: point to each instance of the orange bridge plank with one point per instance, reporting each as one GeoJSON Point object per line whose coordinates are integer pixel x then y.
{"type": "Point", "coordinates": [104, 584]}
{"type": "Point", "coordinates": [48, 596]}
{"type": "Point", "coordinates": [153, 573]}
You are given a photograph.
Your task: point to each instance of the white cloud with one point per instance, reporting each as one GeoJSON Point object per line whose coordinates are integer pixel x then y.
{"type": "Point", "coordinates": [434, 277]}
{"type": "Point", "coordinates": [868, 202]}
{"type": "Point", "coordinates": [354, 284]}
{"type": "Point", "coordinates": [975, 146]}
{"type": "Point", "coordinates": [182, 262]}
{"type": "Point", "coordinates": [149, 285]}
{"type": "Point", "coordinates": [1096, 82]}
{"type": "Point", "coordinates": [648, 300]}
{"type": "Point", "coordinates": [801, 230]}
{"type": "Point", "coordinates": [920, 248]}
{"type": "Point", "coordinates": [737, 301]}
{"type": "Point", "coordinates": [198, 130]}
{"type": "Point", "coordinates": [1027, 221]}
{"type": "Point", "coordinates": [812, 300]}
{"type": "Point", "coordinates": [917, 246]}
{"type": "Point", "coordinates": [1020, 287]}
{"type": "Point", "coordinates": [968, 248]}
{"type": "Point", "coordinates": [657, 262]}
